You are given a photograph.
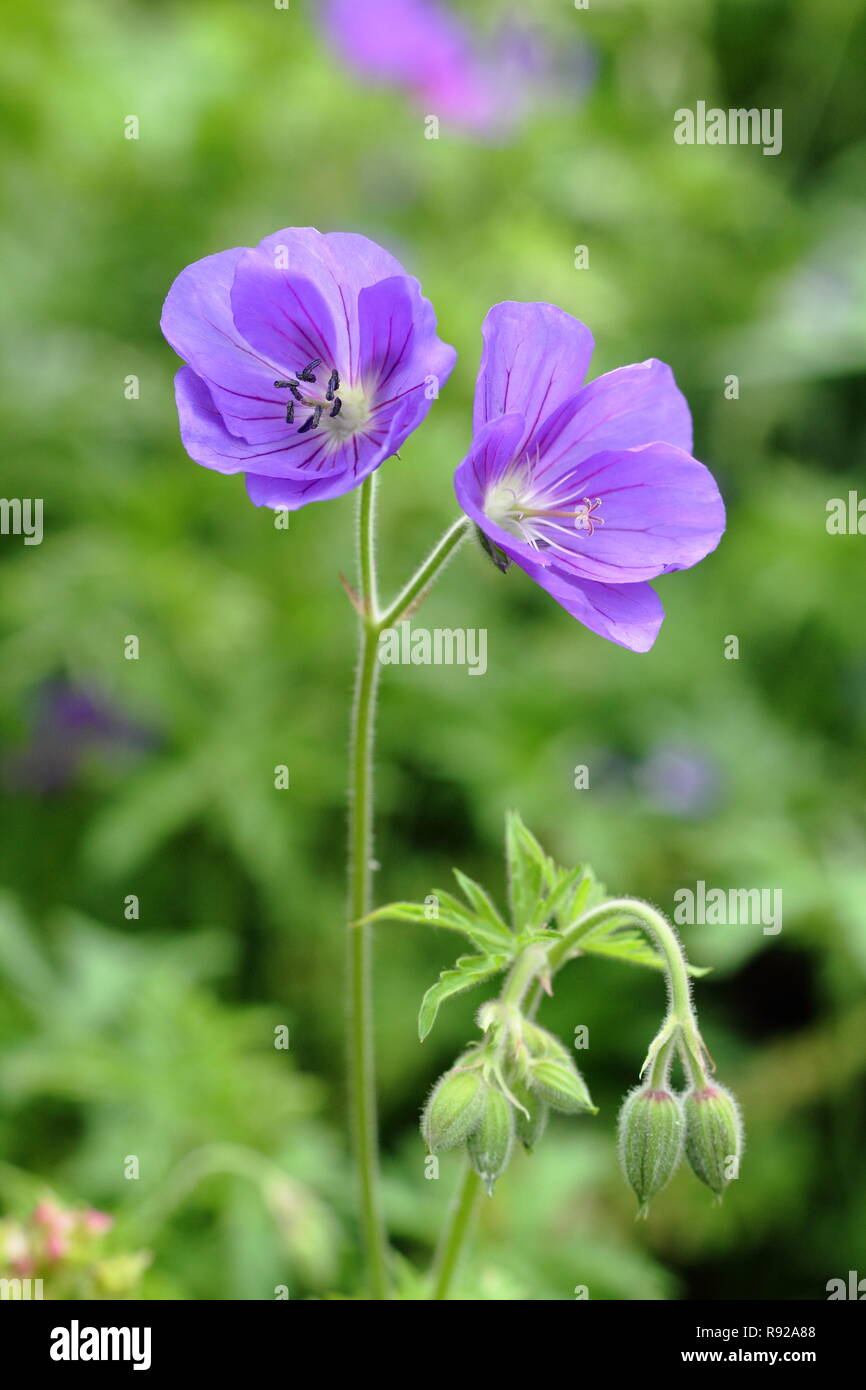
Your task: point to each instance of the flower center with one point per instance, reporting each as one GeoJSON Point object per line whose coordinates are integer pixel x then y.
{"type": "Point", "coordinates": [534, 514]}
{"type": "Point", "coordinates": [313, 402]}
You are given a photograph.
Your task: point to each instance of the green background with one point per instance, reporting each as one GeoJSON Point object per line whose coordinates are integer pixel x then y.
{"type": "Point", "coordinates": [154, 1037]}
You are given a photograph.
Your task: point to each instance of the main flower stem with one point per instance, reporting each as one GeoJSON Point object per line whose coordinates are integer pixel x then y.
{"type": "Point", "coordinates": [361, 1058]}
{"type": "Point", "coordinates": [456, 1233]}
{"type": "Point", "coordinates": [361, 1052]}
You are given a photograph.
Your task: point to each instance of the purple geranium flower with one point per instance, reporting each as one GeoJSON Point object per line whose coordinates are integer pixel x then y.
{"type": "Point", "coordinates": [310, 360]}
{"type": "Point", "coordinates": [590, 489]}
{"type": "Point", "coordinates": [420, 46]}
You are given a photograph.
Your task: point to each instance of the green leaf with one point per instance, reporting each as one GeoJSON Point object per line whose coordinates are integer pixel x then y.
{"type": "Point", "coordinates": [451, 915]}
{"type": "Point", "coordinates": [531, 873]}
{"type": "Point", "coordinates": [483, 906]}
{"type": "Point", "coordinates": [468, 972]}
{"type": "Point", "coordinates": [629, 944]}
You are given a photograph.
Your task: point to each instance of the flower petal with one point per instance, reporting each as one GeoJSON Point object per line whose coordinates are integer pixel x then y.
{"type": "Point", "coordinates": [197, 321]}
{"type": "Point", "coordinates": [208, 442]}
{"type": "Point", "coordinates": [628, 614]}
{"type": "Point", "coordinates": [660, 511]}
{"type": "Point", "coordinates": [340, 264]}
{"type": "Point", "coordinates": [486, 465]}
{"type": "Point", "coordinates": [623, 409]}
{"type": "Point", "coordinates": [399, 349]}
{"type": "Point", "coordinates": [535, 357]}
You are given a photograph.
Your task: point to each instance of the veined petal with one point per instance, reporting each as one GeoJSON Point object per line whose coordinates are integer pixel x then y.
{"type": "Point", "coordinates": [208, 442]}
{"type": "Point", "coordinates": [399, 349]}
{"type": "Point", "coordinates": [628, 614]}
{"type": "Point", "coordinates": [655, 509]}
{"type": "Point", "coordinates": [623, 409]}
{"type": "Point", "coordinates": [283, 315]}
{"type": "Point", "coordinates": [535, 358]}
{"type": "Point", "coordinates": [197, 321]}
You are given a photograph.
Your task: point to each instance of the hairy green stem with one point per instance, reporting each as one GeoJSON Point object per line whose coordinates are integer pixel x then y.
{"type": "Point", "coordinates": [427, 573]}
{"type": "Point", "coordinates": [456, 1233]}
{"type": "Point", "coordinates": [361, 1054]}
{"type": "Point", "coordinates": [681, 1023]}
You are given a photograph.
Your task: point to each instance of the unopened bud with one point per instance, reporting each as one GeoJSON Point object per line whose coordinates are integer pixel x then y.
{"type": "Point", "coordinates": [714, 1135]}
{"type": "Point", "coordinates": [491, 1143]}
{"type": "Point", "coordinates": [531, 1121]}
{"type": "Point", "coordinates": [453, 1110]}
{"type": "Point", "coordinates": [558, 1082]}
{"type": "Point", "coordinates": [650, 1140]}
{"type": "Point", "coordinates": [540, 1043]}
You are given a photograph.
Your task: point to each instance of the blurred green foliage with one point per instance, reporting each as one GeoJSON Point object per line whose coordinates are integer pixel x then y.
{"type": "Point", "coordinates": [155, 1036]}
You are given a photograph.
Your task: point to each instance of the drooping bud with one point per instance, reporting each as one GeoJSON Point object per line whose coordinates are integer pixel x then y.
{"type": "Point", "coordinates": [557, 1081]}
{"type": "Point", "coordinates": [453, 1109]}
{"type": "Point", "coordinates": [490, 1144]}
{"type": "Point", "coordinates": [531, 1121]}
{"type": "Point", "coordinates": [650, 1140]}
{"type": "Point", "coordinates": [714, 1135]}
{"type": "Point", "coordinates": [540, 1043]}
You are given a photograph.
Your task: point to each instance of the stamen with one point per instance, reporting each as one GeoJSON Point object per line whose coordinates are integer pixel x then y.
{"type": "Point", "coordinates": [308, 374]}
{"type": "Point", "coordinates": [333, 385]}
{"type": "Point", "coordinates": [337, 407]}
{"type": "Point", "coordinates": [293, 387]}
{"type": "Point", "coordinates": [312, 421]}
{"type": "Point", "coordinates": [290, 412]}
{"type": "Point", "coordinates": [282, 384]}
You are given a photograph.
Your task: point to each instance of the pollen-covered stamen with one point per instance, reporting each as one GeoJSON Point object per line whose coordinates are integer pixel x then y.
{"type": "Point", "coordinates": [312, 421]}
{"type": "Point", "coordinates": [309, 372]}
{"type": "Point", "coordinates": [336, 408]}
{"type": "Point", "coordinates": [333, 385]}
{"type": "Point", "coordinates": [290, 413]}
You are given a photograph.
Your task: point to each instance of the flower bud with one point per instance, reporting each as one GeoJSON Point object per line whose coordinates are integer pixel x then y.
{"type": "Point", "coordinates": [453, 1109]}
{"type": "Point", "coordinates": [490, 1144]}
{"type": "Point", "coordinates": [714, 1135]}
{"type": "Point", "coordinates": [540, 1043]}
{"type": "Point", "coordinates": [650, 1141]}
{"type": "Point", "coordinates": [530, 1126]}
{"type": "Point", "coordinates": [558, 1082]}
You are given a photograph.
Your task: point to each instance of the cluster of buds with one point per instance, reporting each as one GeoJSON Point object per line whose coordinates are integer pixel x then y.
{"type": "Point", "coordinates": [65, 1249]}
{"type": "Point", "coordinates": [656, 1126]}
{"type": "Point", "coordinates": [502, 1090]}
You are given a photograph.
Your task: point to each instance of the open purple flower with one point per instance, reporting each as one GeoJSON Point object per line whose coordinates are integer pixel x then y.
{"type": "Point", "coordinates": [310, 359]}
{"type": "Point", "coordinates": [592, 490]}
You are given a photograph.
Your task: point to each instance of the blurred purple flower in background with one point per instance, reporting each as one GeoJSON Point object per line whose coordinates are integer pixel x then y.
{"type": "Point", "coordinates": [310, 359]}
{"type": "Point", "coordinates": [69, 723]}
{"type": "Point", "coordinates": [483, 88]}
{"type": "Point", "coordinates": [680, 780]}
{"type": "Point", "coordinates": [592, 490]}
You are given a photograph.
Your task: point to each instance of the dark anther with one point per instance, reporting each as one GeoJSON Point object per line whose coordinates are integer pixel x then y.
{"type": "Point", "coordinates": [282, 384]}
{"type": "Point", "coordinates": [337, 407]}
{"type": "Point", "coordinates": [312, 421]}
{"type": "Point", "coordinates": [290, 412]}
{"type": "Point", "coordinates": [308, 374]}
{"type": "Point", "coordinates": [333, 385]}
{"type": "Point", "coordinates": [293, 387]}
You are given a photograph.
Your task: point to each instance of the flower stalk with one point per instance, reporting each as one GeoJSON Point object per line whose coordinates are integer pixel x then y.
{"type": "Point", "coordinates": [361, 1053]}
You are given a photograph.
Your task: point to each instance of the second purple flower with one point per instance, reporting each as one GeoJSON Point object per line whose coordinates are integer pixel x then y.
{"type": "Point", "coordinates": [591, 489]}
